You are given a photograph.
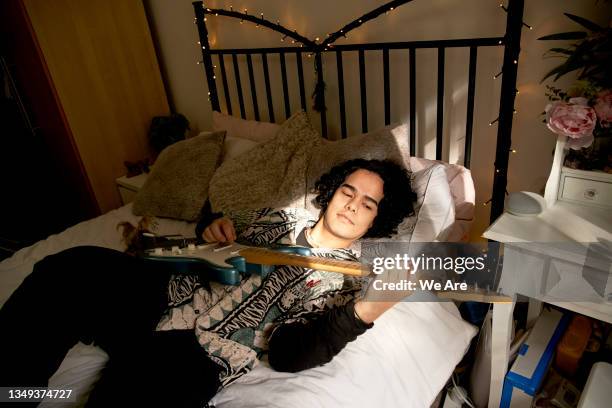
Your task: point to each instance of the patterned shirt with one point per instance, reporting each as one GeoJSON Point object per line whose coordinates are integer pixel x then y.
{"type": "Point", "coordinates": [233, 323]}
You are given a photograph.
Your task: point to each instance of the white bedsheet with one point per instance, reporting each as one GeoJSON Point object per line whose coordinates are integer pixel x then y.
{"type": "Point", "coordinates": [403, 361]}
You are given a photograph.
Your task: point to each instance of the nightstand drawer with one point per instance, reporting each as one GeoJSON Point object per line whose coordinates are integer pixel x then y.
{"type": "Point", "coordinates": [586, 191]}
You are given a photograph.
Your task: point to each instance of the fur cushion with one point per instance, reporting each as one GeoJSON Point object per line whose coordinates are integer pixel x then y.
{"type": "Point", "coordinates": [273, 174]}
{"type": "Point", "coordinates": [178, 184]}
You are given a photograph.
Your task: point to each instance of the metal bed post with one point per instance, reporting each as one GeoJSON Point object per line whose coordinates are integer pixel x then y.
{"type": "Point", "coordinates": [198, 8]}
{"type": "Point", "coordinates": [512, 42]}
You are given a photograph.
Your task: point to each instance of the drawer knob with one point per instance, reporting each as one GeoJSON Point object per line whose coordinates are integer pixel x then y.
{"type": "Point", "coordinates": [590, 193]}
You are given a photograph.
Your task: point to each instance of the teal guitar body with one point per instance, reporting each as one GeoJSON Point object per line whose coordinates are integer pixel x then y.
{"type": "Point", "coordinates": [214, 262]}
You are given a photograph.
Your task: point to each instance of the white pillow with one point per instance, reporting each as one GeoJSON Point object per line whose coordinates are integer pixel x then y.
{"type": "Point", "coordinates": [235, 146]}
{"type": "Point", "coordinates": [403, 361]}
{"type": "Point", "coordinates": [245, 129]}
{"type": "Point", "coordinates": [435, 206]}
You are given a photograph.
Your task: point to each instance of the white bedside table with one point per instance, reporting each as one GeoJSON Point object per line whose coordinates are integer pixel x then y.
{"type": "Point", "coordinates": [528, 259]}
{"type": "Point", "coordinates": [129, 186]}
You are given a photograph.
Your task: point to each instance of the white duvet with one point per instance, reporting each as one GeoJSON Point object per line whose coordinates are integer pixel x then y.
{"type": "Point", "coordinates": [403, 361]}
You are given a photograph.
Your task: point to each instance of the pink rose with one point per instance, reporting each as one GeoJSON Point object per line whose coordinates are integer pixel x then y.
{"type": "Point", "coordinates": [574, 119]}
{"type": "Point", "coordinates": [603, 107]}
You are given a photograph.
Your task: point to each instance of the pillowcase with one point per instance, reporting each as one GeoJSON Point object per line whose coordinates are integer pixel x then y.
{"type": "Point", "coordinates": [435, 207]}
{"type": "Point", "coordinates": [463, 193]}
{"type": "Point", "coordinates": [403, 361]}
{"type": "Point", "coordinates": [235, 146]}
{"type": "Point", "coordinates": [245, 129]}
{"type": "Point", "coordinates": [272, 174]}
{"type": "Point", "coordinates": [177, 186]}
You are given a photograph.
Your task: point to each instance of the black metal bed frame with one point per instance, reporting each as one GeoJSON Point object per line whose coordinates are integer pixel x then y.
{"type": "Point", "coordinates": [510, 41]}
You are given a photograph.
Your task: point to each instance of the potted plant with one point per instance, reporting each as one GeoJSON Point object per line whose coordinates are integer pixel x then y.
{"type": "Point", "coordinates": [583, 112]}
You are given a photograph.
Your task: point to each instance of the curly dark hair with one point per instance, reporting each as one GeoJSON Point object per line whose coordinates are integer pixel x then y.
{"type": "Point", "coordinates": [398, 195]}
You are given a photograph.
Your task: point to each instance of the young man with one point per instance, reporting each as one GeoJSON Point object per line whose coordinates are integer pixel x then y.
{"type": "Point", "coordinates": [302, 317]}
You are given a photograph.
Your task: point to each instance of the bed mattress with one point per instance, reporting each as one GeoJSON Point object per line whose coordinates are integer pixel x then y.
{"type": "Point", "coordinates": [405, 360]}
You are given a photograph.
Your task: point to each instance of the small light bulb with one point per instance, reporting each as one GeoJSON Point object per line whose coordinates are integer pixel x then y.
{"type": "Point", "coordinates": [515, 61]}
{"type": "Point", "coordinates": [198, 62]}
{"type": "Point", "coordinates": [317, 39]}
{"type": "Point", "coordinates": [391, 8]}
{"type": "Point", "coordinates": [359, 20]}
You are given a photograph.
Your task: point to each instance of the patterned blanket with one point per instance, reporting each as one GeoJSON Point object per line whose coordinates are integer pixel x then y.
{"type": "Point", "coordinates": [233, 322]}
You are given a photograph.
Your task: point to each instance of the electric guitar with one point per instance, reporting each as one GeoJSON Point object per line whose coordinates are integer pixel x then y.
{"type": "Point", "coordinates": [225, 263]}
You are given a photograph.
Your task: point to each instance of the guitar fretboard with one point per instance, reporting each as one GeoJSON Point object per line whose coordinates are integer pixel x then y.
{"type": "Point", "coordinates": [269, 257]}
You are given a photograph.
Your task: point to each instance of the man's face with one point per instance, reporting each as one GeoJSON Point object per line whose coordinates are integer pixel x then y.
{"type": "Point", "coordinates": [354, 205]}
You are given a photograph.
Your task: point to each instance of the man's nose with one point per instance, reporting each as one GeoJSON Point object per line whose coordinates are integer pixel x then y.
{"type": "Point", "coordinates": [351, 205]}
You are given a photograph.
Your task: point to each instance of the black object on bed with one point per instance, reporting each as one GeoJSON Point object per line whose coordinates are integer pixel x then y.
{"type": "Point", "coordinates": [510, 42]}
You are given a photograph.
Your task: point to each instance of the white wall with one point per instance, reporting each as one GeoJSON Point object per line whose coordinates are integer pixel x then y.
{"type": "Point", "coordinates": [420, 20]}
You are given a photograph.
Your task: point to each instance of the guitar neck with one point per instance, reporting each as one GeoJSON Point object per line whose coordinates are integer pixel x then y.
{"type": "Point", "coordinates": [269, 257]}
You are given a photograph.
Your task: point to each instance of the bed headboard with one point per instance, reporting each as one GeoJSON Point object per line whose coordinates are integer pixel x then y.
{"type": "Point", "coordinates": [305, 48]}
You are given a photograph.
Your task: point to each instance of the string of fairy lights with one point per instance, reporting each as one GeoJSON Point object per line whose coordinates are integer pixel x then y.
{"type": "Point", "coordinates": [317, 46]}
{"type": "Point", "coordinates": [516, 92]}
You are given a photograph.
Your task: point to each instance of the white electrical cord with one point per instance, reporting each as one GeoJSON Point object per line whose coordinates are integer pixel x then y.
{"type": "Point", "coordinates": [459, 392]}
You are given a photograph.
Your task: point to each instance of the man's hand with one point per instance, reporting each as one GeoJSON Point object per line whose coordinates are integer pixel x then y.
{"type": "Point", "coordinates": [384, 291]}
{"type": "Point", "coordinates": [220, 230]}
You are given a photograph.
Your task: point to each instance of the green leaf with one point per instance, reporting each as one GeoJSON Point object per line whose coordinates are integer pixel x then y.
{"type": "Point", "coordinates": [559, 69]}
{"type": "Point", "coordinates": [561, 51]}
{"type": "Point", "coordinates": [589, 25]}
{"type": "Point", "coordinates": [570, 35]}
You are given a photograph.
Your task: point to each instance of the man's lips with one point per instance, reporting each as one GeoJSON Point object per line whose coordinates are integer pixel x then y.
{"type": "Point", "coordinates": [346, 218]}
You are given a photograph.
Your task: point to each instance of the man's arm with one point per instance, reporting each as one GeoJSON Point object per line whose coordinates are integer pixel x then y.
{"type": "Point", "coordinates": [299, 346]}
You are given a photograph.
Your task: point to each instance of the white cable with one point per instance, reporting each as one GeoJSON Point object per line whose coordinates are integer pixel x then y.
{"type": "Point", "coordinates": [460, 393]}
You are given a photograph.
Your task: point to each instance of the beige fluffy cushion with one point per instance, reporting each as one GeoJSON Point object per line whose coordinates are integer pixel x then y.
{"type": "Point", "coordinates": [178, 184]}
{"type": "Point", "coordinates": [391, 142]}
{"type": "Point", "coordinates": [272, 174]}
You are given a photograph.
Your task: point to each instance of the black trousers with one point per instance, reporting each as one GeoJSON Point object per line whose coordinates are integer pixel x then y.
{"type": "Point", "coordinates": [114, 300]}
